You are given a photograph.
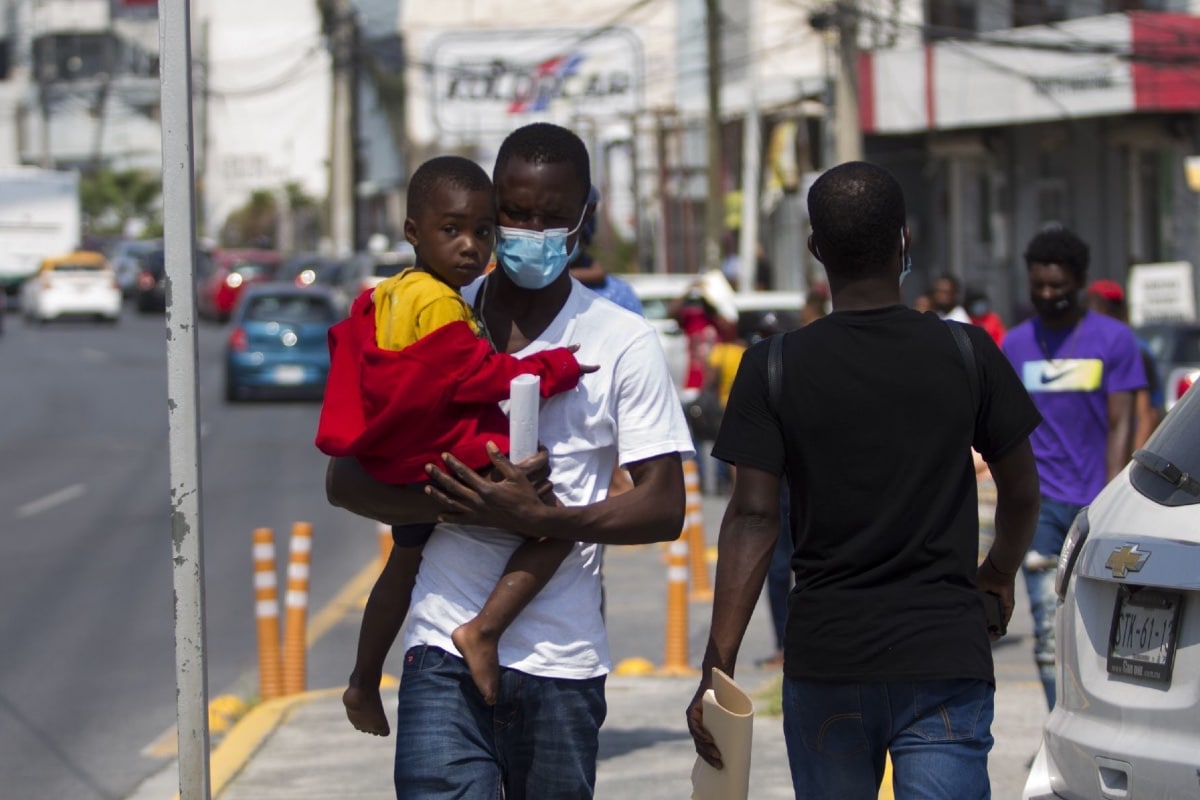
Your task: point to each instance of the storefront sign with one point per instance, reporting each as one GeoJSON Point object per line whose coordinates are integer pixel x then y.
{"type": "Point", "coordinates": [491, 80]}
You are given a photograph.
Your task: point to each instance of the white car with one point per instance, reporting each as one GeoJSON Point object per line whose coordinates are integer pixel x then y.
{"type": "Point", "coordinates": [1127, 721]}
{"type": "Point", "coordinates": [79, 284]}
{"type": "Point", "coordinates": [778, 310]}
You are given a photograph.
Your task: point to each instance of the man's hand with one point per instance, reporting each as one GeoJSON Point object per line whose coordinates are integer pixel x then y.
{"type": "Point", "coordinates": [510, 498]}
{"type": "Point", "coordinates": [706, 748]}
{"type": "Point", "coordinates": [990, 579]}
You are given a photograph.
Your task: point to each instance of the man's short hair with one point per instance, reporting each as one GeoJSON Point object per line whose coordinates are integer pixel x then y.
{"type": "Point", "coordinates": [456, 171]}
{"type": "Point", "coordinates": [1060, 246]}
{"type": "Point", "coordinates": [857, 213]}
{"type": "Point", "coordinates": [546, 143]}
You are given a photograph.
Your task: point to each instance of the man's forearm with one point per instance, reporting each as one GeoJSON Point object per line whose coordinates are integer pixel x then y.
{"type": "Point", "coordinates": [349, 486]}
{"type": "Point", "coordinates": [1117, 453]}
{"type": "Point", "coordinates": [744, 555]}
{"type": "Point", "coordinates": [652, 511]}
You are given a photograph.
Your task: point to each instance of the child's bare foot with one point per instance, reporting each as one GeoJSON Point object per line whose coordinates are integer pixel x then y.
{"type": "Point", "coordinates": [364, 708]}
{"type": "Point", "coordinates": [483, 659]}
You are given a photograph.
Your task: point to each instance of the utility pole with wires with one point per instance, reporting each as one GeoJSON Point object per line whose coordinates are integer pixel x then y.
{"type": "Point", "coordinates": [714, 213]}
{"type": "Point", "coordinates": [848, 137]}
{"type": "Point", "coordinates": [342, 137]}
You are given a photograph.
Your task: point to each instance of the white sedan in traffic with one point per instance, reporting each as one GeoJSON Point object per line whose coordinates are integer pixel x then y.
{"type": "Point", "coordinates": [79, 284]}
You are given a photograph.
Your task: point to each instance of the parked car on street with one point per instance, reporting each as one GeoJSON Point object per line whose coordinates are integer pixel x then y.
{"type": "Point", "coordinates": [77, 284]}
{"type": "Point", "coordinates": [231, 272]}
{"type": "Point", "coordinates": [366, 270]}
{"type": "Point", "coordinates": [278, 344]}
{"type": "Point", "coordinates": [150, 287]}
{"type": "Point", "coordinates": [125, 256]}
{"type": "Point", "coordinates": [1176, 349]}
{"type": "Point", "coordinates": [313, 269]}
{"type": "Point", "coordinates": [1128, 631]}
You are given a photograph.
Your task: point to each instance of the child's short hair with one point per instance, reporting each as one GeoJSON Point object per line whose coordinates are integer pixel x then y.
{"type": "Point", "coordinates": [459, 172]}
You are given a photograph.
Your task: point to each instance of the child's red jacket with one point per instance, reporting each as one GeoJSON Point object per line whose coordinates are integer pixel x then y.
{"type": "Point", "coordinates": [398, 410]}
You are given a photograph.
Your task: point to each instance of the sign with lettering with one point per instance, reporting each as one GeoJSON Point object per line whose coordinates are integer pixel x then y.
{"type": "Point", "coordinates": [493, 80]}
{"type": "Point", "coordinates": [1162, 292]}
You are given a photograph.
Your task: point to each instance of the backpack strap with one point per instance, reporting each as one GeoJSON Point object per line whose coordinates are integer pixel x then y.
{"type": "Point", "coordinates": [967, 351]}
{"type": "Point", "coordinates": [775, 372]}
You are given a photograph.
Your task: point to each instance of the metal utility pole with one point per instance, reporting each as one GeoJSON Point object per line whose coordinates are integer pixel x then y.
{"type": "Point", "coordinates": [751, 165]}
{"type": "Point", "coordinates": [341, 162]}
{"type": "Point", "coordinates": [183, 401]}
{"type": "Point", "coordinates": [714, 211]}
{"type": "Point", "coordinates": [848, 137]}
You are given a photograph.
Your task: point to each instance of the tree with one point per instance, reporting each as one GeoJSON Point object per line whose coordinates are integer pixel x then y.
{"type": "Point", "coordinates": [112, 199]}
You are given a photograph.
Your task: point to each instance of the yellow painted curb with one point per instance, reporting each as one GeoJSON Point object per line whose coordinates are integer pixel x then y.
{"type": "Point", "coordinates": [243, 741]}
{"type": "Point", "coordinates": [634, 666]}
{"type": "Point", "coordinates": [885, 788]}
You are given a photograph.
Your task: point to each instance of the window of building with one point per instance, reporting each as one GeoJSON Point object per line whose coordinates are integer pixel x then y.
{"type": "Point", "coordinates": [948, 18]}
{"type": "Point", "coordinates": [1039, 12]}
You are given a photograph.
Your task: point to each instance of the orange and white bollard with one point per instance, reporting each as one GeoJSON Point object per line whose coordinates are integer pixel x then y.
{"type": "Point", "coordinates": [385, 543]}
{"type": "Point", "coordinates": [675, 659]}
{"type": "Point", "coordinates": [693, 528]}
{"type": "Point", "coordinates": [266, 610]}
{"type": "Point", "coordinates": [295, 627]}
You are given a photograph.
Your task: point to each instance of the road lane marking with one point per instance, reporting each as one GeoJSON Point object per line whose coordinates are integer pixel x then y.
{"type": "Point", "coordinates": [51, 500]}
{"type": "Point", "coordinates": [95, 356]}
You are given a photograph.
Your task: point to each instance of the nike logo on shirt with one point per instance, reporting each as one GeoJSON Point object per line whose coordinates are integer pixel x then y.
{"type": "Point", "coordinates": [1063, 375]}
{"type": "Point", "coordinates": [1050, 376]}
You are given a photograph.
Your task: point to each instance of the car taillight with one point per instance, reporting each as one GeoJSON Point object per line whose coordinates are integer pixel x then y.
{"type": "Point", "coordinates": [1178, 382]}
{"type": "Point", "coordinates": [145, 280]}
{"type": "Point", "coordinates": [1076, 536]}
{"type": "Point", "coordinates": [238, 341]}
{"type": "Point", "coordinates": [234, 279]}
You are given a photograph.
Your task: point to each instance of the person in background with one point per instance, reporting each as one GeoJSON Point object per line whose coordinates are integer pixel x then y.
{"type": "Point", "coordinates": [1106, 297]}
{"type": "Point", "coordinates": [816, 303]}
{"type": "Point", "coordinates": [1082, 370]}
{"type": "Point", "coordinates": [945, 299]}
{"type": "Point", "coordinates": [923, 302]}
{"type": "Point", "coordinates": [592, 274]}
{"type": "Point", "coordinates": [979, 309]}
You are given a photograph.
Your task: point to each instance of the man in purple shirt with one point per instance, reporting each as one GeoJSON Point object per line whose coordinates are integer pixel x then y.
{"type": "Point", "coordinates": [1081, 369]}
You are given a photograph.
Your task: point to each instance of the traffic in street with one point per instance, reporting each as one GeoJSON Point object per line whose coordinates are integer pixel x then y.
{"type": "Point", "coordinates": [87, 679]}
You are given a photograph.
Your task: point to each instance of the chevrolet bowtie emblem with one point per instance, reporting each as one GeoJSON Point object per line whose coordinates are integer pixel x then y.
{"type": "Point", "coordinates": [1126, 559]}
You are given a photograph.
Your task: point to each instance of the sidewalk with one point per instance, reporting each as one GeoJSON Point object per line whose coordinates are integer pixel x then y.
{"type": "Point", "coordinates": [303, 747]}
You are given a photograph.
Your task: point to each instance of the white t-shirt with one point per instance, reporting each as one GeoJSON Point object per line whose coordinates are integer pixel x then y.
{"type": "Point", "coordinates": [628, 409]}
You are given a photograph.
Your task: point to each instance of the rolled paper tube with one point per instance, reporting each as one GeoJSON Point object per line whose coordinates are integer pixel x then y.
{"type": "Point", "coordinates": [729, 717]}
{"type": "Point", "coordinates": [524, 402]}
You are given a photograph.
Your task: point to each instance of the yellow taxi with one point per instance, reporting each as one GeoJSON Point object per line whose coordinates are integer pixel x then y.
{"type": "Point", "coordinates": [81, 283]}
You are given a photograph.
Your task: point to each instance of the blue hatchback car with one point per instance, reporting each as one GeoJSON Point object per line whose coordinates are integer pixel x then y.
{"type": "Point", "coordinates": [279, 342]}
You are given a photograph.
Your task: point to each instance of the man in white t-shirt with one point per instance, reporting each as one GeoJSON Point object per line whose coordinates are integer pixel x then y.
{"type": "Point", "coordinates": [540, 739]}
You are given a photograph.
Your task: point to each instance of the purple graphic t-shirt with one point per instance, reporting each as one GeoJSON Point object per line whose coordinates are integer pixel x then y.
{"type": "Point", "coordinates": [1069, 374]}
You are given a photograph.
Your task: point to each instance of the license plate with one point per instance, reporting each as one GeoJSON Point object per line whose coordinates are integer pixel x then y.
{"type": "Point", "coordinates": [1144, 629]}
{"type": "Point", "coordinates": [289, 375]}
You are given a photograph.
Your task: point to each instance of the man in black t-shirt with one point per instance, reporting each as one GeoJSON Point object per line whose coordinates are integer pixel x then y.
{"type": "Point", "coordinates": [887, 645]}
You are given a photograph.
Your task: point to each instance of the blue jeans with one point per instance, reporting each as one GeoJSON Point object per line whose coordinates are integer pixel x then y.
{"type": "Point", "coordinates": [539, 740]}
{"type": "Point", "coordinates": [938, 732]}
{"type": "Point", "coordinates": [1040, 567]}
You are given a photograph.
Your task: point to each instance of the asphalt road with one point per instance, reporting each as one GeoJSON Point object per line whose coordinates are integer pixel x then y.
{"type": "Point", "coordinates": [87, 672]}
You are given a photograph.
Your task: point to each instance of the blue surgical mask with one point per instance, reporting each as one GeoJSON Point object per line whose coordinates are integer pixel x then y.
{"type": "Point", "coordinates": [534, 259]}
{"type": "Point", "coordinates": [907, 268]}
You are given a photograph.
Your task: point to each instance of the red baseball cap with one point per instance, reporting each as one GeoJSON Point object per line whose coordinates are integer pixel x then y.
{"type": "Point", "coordinates": [1108, 289]}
